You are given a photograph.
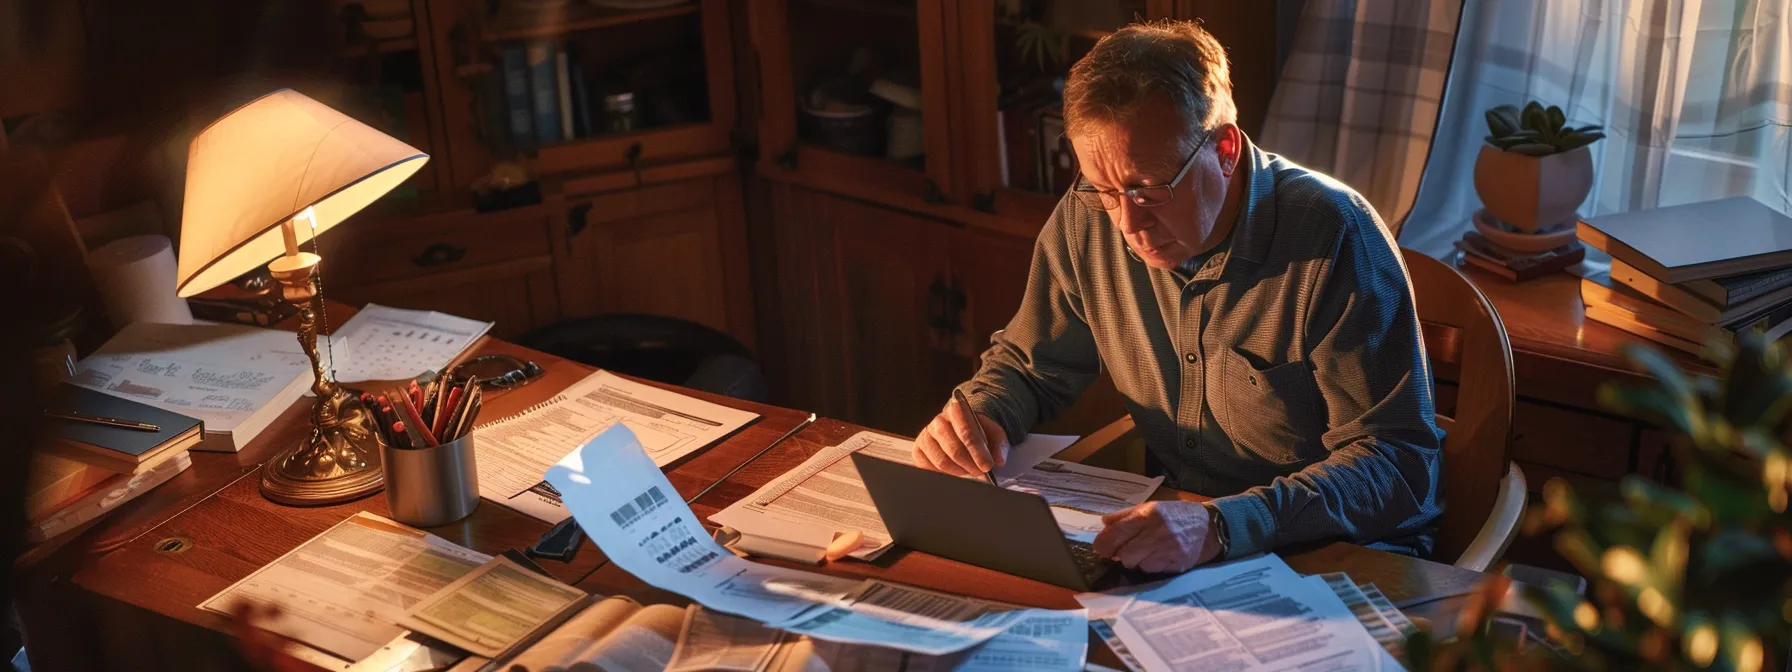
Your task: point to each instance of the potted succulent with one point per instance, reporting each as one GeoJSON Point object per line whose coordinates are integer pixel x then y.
{"type": "Point", "coordinates": [1535, 169]}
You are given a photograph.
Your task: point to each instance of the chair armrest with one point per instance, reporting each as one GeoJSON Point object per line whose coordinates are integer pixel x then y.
{"type": "Point", "coordinates": [1116, 446]}
{"type": "Point", "coordinates": [1502, 523]}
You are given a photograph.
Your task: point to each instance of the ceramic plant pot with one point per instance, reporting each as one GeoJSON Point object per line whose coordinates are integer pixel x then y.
{"type": "Point", "coordinates": [1532, 192]}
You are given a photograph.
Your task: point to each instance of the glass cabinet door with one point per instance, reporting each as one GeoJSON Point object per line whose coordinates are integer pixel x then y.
{"type": "Point", "coordinates": [1018, 52]}
{"type": "Point", "coordinates": [577, 86]}
{"type": "Point", "coordinates": [854, 95]}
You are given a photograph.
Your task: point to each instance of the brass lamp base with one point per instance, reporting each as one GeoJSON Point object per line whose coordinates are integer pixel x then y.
{"type": "Point", "coordinates": [340, 460]}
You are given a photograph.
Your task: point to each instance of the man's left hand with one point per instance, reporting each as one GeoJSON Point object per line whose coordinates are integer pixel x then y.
{"type": "Point", "coordinates": [1159, 537]}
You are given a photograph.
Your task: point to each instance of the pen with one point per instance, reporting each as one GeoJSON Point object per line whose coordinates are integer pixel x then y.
{"type": "Point", "coordinates": [976, 429]}
{"type": "Point", "coordinates": [120, 423]}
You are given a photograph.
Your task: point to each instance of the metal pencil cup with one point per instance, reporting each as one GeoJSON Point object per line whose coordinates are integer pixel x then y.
{"type": "Point", "coordinates": [426, 487]}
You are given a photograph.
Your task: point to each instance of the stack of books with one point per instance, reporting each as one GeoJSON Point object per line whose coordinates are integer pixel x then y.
{"type": "Point", "coordinates": [1482, 251]}
{"type": "Point", "coordinates": [99, 452]}
{"type": "Point", "coordinates": [1689, 275]}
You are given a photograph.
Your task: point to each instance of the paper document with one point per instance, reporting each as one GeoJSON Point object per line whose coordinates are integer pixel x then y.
{"type": "Point", "coordinates": [382, 344]}
{"type": "Point", "coordinates": [1104, 611]}
{"type": "Point", "coordinates": [515, 452]}
{"type": "Point", "coordinates": [622, 504]}
{"type": "Point", "coordinates": [1380, 628]}
{"type": "Point", "coordinates": [1023, 456]}
{"type": "Point", "coordinates": [720, 642]}
{"type": "Point", "coordinates": [1253, 614]}
{"type": "Point", "coordinates": [1041, 642]}
{"type": "Point", "coordinates": [236, 379]}
{"type": "Point", "coordinates": [344, 591]}
{"type": "Point", "coordinates": [492, 608]}
{"type": "Point", "coordinates": [823, 494]}
{"type": "Point", "coordinates": [1080, 494]}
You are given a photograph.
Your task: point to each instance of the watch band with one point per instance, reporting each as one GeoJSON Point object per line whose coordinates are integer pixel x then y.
{"type": "Point", "coordinates": [1217, 521]}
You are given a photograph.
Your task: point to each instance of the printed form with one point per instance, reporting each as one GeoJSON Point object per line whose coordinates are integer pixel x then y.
{"type": "Point", "coordinates": [623, 505]}
{"type": "Point", "coordinates": [514, 453]}
{"type": "Point", "coordinates": [1253, 614]}
{"type": "Point", "coordinates": [344, 591]}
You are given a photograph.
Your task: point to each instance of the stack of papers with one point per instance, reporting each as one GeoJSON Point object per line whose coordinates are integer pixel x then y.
{"type": "Point", "coordinates": [620, 499]}
{"type": "Point", "coordinates": [1249, 614]}
{"type": "Point", "coordinates": [235, 379]}
{"type": "Point", "coordinates": [513, 453]}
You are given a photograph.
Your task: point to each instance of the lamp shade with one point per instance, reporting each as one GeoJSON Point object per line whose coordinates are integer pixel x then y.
{"type": "Point", "coordinates": [265, 162]}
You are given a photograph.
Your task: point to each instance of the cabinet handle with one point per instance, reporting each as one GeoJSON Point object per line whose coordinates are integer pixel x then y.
{"type": "Point", "coordinates": [948, 303]}
{"type": "Point", "coordinates": [439, 254]}
{"type": "Point", "coordinates": [787, 160]}
{"type": "Point", "coordinates": [933, 194]}
{"type": "Point", "coordinates": [984, 202]}
{"type": "Point", "coordinates": [576, 220]}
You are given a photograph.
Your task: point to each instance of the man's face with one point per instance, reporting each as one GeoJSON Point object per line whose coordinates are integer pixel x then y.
{"type": "Point", "coordinates": [1148, 149]}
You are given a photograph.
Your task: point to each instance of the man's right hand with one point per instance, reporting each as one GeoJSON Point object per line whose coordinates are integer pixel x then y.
{"type": "Point", "coordinates": [950, 445]}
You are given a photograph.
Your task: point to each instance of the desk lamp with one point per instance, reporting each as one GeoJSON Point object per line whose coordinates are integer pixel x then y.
{"type": "Point", "coordinates": [282, 164]}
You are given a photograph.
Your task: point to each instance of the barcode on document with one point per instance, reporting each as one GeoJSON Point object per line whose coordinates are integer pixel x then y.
{"type": "Point", "coordinates": [642, 505]}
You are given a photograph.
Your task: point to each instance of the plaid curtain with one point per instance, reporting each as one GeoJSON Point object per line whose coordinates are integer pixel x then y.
{"type": "Point", "coordinates": [1695, 97]}
{"type": "Point", "coordinates": [1360, 92]}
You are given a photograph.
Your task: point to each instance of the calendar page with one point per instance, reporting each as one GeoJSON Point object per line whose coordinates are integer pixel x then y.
{"type": "Point", "coordinates": [381, 343]}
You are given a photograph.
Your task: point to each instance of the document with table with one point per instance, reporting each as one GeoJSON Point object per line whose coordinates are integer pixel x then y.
{"type": "Point", "coordinates": [1250, 614]}
{"type": "Point", "coordinates": [345, 590]}
{"type": "Point", "coordinates": [386, 344]}
{"type": "Point", "coordinates": [514, 452]}
{"type": "Point", "coordinates": [622, 503]}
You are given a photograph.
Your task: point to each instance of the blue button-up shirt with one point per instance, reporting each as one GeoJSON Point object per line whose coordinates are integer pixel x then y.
{"type": "Point", "coordinates": [1285, 377]}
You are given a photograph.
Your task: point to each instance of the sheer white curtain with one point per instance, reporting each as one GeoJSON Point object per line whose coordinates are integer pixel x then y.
{"type": "Point", "coordinates": [1695, 95]}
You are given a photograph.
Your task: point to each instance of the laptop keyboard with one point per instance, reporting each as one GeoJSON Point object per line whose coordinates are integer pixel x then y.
{"type": "Point", "coordinates": [1089, 563]}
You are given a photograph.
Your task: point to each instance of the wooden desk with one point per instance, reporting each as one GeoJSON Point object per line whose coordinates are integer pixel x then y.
{"type": "Point", "coordinates": [113, 598]}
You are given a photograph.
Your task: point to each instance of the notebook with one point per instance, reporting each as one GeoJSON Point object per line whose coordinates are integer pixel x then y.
{"type": "Point", "coordinates": [127, 451]}
{"type": "Point", "coordinates": [1696, 241]}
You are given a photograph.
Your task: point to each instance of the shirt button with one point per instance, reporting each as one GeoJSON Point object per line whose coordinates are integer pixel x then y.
{"type": "Point", "coordinates": [1191, 358]}
{"type": "Point", "coordinates": [1189, 442]}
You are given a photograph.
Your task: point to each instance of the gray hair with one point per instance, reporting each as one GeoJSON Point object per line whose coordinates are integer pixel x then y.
{"type": "Point", "coordinates": [1177, 59]}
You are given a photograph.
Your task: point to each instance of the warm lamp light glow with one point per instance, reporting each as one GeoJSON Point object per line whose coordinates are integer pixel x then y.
{"type": "Point", "coordinates": [264, 163]}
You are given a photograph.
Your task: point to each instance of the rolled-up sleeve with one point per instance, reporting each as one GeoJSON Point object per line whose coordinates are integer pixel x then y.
{"type": "Point", "coordinates": [1046, 357]}
{"type": "Point", "coordinates": [1380, 479]}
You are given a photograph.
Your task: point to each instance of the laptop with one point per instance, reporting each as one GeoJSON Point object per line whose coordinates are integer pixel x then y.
{"type": "Point", "coordinates": [977, 523]}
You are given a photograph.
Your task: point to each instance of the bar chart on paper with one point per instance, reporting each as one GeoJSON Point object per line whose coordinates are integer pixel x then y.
{"type": "Point", "coordinates": [381, 343]}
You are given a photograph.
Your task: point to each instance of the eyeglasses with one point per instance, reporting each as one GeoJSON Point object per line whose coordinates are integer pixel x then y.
{"type": "Point", "coordinates": [1146, 196]}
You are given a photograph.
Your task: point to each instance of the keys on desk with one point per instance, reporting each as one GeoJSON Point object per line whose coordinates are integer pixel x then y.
{"type": "Point", "coordinates": [1091, 564]}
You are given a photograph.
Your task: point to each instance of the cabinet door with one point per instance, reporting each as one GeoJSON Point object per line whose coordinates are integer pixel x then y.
{"type": "Point", "coordinates": [582, 87]}
{"type": "Point", "coordinates": [1014, 157]}
{"type": "Point", "coordinates": [673, 249]}
{"type": "Point", "coordinates": [991, 270]}
{"type": "Point", "coordinates": [854, 96]}
{"type": "Point", "coordinates": [862, 289]}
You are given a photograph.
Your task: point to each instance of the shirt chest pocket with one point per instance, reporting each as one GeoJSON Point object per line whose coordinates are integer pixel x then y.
{"type": "Point", "coordinates": [1273, 411]}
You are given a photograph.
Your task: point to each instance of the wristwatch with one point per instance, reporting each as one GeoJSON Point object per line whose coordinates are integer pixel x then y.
{"type": "Point", "coordinates": [1218, 522]}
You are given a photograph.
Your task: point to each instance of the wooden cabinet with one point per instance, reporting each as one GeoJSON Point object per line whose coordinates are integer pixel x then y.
{"type": "Point", "coordinates": [676, 249]}
{"type": "Point", "coordinates": [865, 290]}
{"type": "Point", "coordinates": [1014, 160]}
{"type": "Point", "coordinates": [889, 311]}
{"type": "Point", "coordinates": [496, 267]}
{"type": "Point", "coordinates": [854, 96]}
{"type": "Point", "coordinates": [582, 88]}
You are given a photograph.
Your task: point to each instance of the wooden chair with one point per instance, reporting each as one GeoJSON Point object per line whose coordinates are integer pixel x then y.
{"type": "Point", "coordinates": [1484, 492]}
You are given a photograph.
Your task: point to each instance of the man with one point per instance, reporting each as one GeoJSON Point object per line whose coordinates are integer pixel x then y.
{"type": "Point", "coordinates": [1255, 315]}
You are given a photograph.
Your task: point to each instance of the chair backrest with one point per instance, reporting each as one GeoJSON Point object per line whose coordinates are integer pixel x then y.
{"type": "Point", "coordinates": [1462, 329]}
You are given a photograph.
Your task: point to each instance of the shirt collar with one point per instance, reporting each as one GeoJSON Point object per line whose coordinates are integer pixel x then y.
{"type": "Point", "coordinates": [1254, 229]}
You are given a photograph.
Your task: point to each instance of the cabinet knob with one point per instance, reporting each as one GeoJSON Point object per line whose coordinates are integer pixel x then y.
{"type": "Point", "coordinates": [439, 254]}
{"type": "Point", "coordinates": [576, 219]}
{"type": "Point", "coordinates": [933, 194]}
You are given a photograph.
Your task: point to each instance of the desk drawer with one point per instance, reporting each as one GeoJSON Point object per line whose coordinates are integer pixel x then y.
{"type": "Point", "coordinates": [395, 250]}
